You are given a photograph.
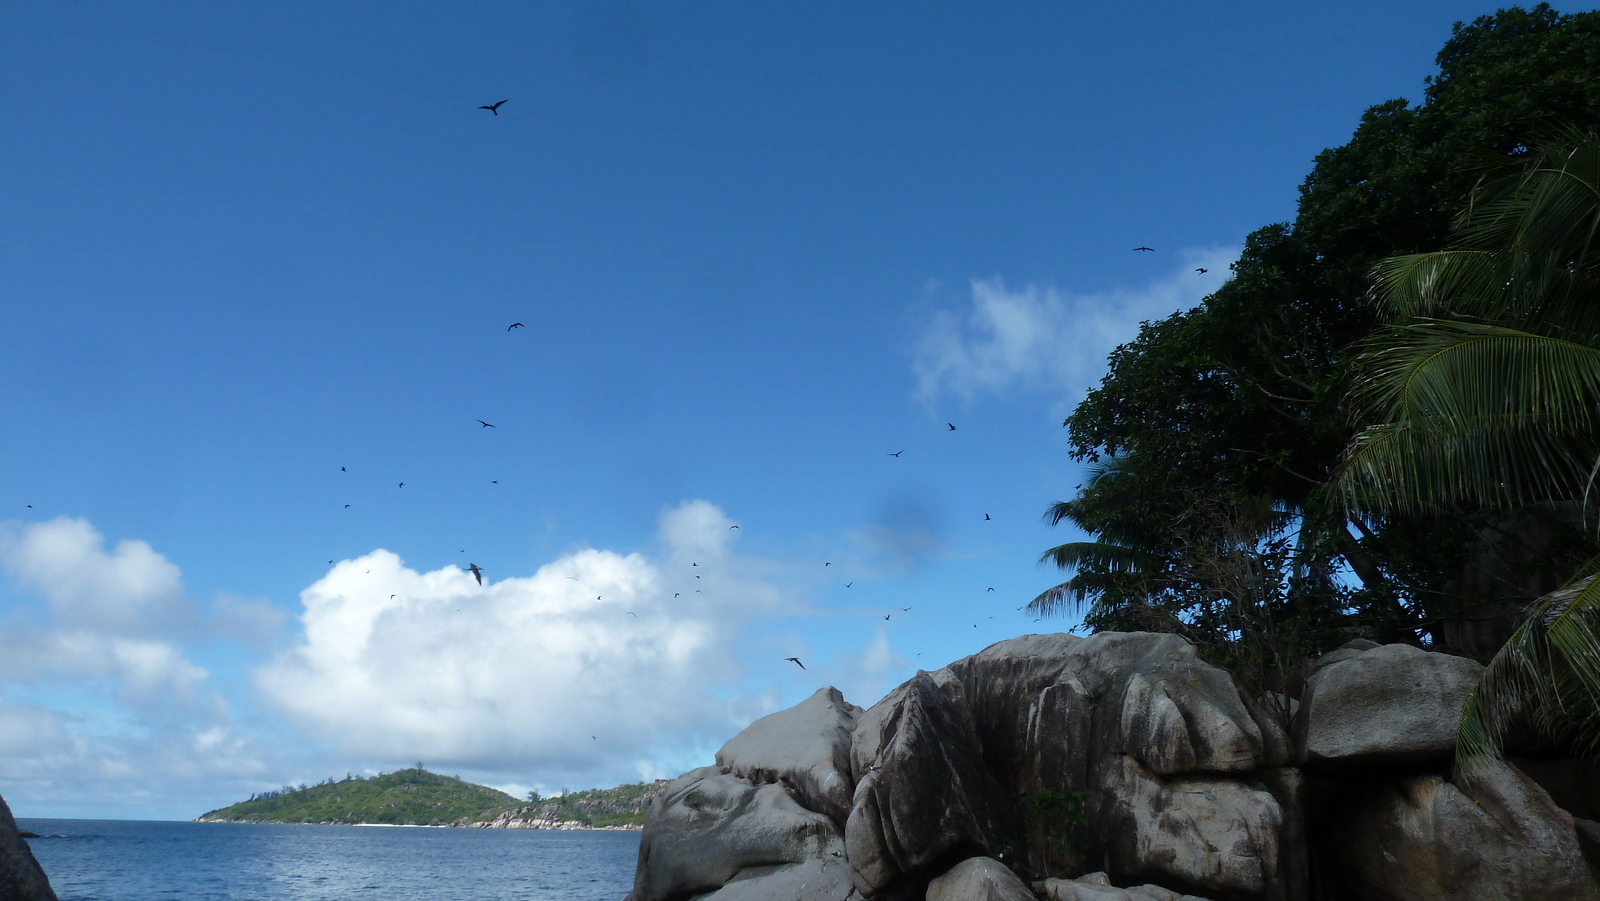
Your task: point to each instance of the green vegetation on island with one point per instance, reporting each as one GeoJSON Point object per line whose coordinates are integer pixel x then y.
{"type": "Point", "coordinates": [416, 797]}
{"type": "Point", "coordinates": [624, 806]}
{"type": "Point", "coordinates": [409, 797]}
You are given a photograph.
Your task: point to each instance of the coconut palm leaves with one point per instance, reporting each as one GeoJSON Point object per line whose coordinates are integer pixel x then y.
{"type": "Point", "coordinates": [1486, 394]}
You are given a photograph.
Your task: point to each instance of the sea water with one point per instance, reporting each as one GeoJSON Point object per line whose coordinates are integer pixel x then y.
{"type": "Point", "coordinates": [133, 860]}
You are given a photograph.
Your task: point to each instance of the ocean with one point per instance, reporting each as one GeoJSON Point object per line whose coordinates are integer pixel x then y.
{"type": "Point", "coordinates": [134, 860]}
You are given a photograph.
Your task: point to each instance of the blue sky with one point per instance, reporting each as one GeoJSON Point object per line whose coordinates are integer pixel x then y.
{"type": "Point", "coordinates": [257, 263]}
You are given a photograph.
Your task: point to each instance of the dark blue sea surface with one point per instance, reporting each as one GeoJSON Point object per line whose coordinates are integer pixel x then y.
{"type": "Point", "coordinates": [135, 860]}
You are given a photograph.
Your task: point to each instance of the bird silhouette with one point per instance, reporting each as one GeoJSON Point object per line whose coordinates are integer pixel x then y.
{"type": "Point", "coordinates": [1151, 249]}
{"type": "Point", "coordinates": [514, 324]}
{"type": "Point", "coordinates": [629, 612]}
{"type": "Point", "coordinates": [733, 527]}
{"type": "Point", "coordinates": [347, 506]}
{"type": "Point", "coordinates": [986, 517]}
{"type": "Point", "coordinates": [827, 564]}
{"type": "Point", "coordinates": [895, 454]}
{"type": "Point", "coordinates": [991, 589]}
{"type": "Point", "coordinates": [494, 481]}
{"type": "Point", "coordinates": [402, 484]}
{"type": "Point", "coordinates": [795, 661]}
{"type": "Point", "coordinates": [887, 615]}
{"type": "Point", "coordinates": [1202, 271]}
{"type": "Point", "coordinates": [487, 425]}
{"type": "Point", "coordinates": [676, 593]}
{"type": "Point", "coordinates": [477, 573]}
{"type": "Point", "coordinates": [951, 425]}
{"type": "Point", "coordinates": [342, 469]}
{"type": "Point", "coordinates": [493, 107]}
{"type": "Point", "coordinates": [848, 584]}
{"type": "Point", "coordinates": [905, 609]}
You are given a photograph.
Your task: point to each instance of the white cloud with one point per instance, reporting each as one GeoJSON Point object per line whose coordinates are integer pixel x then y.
{"type": "Point", "coordinates": [1040, 338]}
{"type": "Point", "coordinates": [520, 673]}
{"type": "Point", "coordinates": [130, 589]}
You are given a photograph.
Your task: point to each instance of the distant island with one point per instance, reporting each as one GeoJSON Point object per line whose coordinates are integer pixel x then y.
{"type": "Point", "coordinates": [416, 797]}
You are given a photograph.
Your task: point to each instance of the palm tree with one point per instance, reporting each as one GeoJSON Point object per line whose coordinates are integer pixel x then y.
{"type": "Point", "coordinates": [1486, 395]}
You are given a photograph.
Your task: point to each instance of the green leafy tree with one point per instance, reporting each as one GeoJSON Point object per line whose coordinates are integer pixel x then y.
{"type": "Point", "coordinates": [1486, 392]}
{"type": "Point", "coordinates": [1227, 422]}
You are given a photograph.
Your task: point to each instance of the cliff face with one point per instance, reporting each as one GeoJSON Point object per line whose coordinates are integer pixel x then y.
{"type": "Point", "coordinates": [1121, 767]}
{"type": "Point", "coordinates": [622, 807]}
{"type": "Point", "coordinates": [21, 878]}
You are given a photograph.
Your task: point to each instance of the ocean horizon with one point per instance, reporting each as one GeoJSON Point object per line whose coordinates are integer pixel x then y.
{"type": "Point", "coordinates": [139, 860]}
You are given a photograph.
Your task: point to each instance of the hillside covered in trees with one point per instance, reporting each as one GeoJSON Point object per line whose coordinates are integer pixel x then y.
{"type": "Point", "coordinates": [409, 797]}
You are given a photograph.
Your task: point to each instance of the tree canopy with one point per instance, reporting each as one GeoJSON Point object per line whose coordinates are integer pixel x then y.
{"type": "Point", "coordinates": [1216, 433]}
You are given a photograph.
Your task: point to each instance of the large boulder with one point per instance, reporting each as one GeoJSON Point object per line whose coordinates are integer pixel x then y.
{"type": "Point", "coordinates": [21, 878]}
{"type": "Point", "coordinates": [1385, 704]}
{"type": "Point", "coordinates": [707, 828]}
{"type": "Point", "coordinates": [826, 879]}
{"type": "Point", "coordinates": [1497, 837]}
{"type": "Point", "coordinates": [805, 748]}
{"type": "Point", "coordinates": [979, 879]}
{"type": "Point", "coordinates": [1145, 756]}
{"type": "Point", "coordinates": [1098, 887]}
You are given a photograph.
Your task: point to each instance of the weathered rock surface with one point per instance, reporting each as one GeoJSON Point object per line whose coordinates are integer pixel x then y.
{"type": "Point", "coordinates": [1123, 752]}
{"type": "Point", "coordinates": [21, 878]}
{"type": "Point", "coordinates": [979, 879]}
{"type": "Point", "coordinates": [708, 827]}
{"type": "Point", "coordinates": [1385, 704]}
{"type": "Point", "coordinates": [1498, 837]}
{"type": "Point", "coordinates": [1098, 887]}
{"type": "Point", "coordinates": [806, 748]}
{"type": "Point", "coordinates": [814, 880]}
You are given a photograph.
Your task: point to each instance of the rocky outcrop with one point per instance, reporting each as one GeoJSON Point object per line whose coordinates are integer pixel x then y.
{"type": "Point", "coordinates": [21, 878]}
{"type": "Point", "coordinates": [1498, 837]}
{"type": "Point", "coordinates": [1382, 704]}
{"type": "Point", "coordinates": [805, 748]}
{"type": "Point", "coordinates": [1047, 757]}
{"type": "Point", "coordinates": [979, 879]}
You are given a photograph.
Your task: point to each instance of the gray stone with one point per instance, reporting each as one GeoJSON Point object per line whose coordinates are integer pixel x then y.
{"type": "Point", "coordinates": [1498, 837]}
{"type": "Point", "coordinates": [806, 748]}
{"type": "Point", "coordinates": [814, 880]}
{"type": "Point", "coordinates": [1098, 887]}
{"type": "Point", "coordinates": [707, 827]}
{"type": "Point", "coordinates": [1222, 835]}
{"type": "Point", "coordinates": [979, 879]}
{"type": "Point", "coordinates": [21, 878]}
{"type": "Point", "coordinates": [928, 792]}
{"type": "Point", "coordinates": [1385, 704]}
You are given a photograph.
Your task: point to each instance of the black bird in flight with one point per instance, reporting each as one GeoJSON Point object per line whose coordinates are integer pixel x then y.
{"type": "Point", "coordinates": [795, 661]}
{"type": "Point", "coordinates": [402, 484]}
{"type": "Point", "coordinates": [951, 425]}
{"type": "Point", "coordinates": [477, 573]}
{"type": "Point", "coordinates": [991, 589]}
{"type": "Point", "coordinates": [1151, 249]}
{"type": "Point", "coordinates": [676, 593]}
{"type": "Point", "coordinates": [493, 107]}
{"type": "Point", "coordinates": [342, 469]}
{"type": "Point", "coordinates": [1202, 271]}
{"type": "Point", "coordinates": [514, 324]}
{"type": "Point", "coordinates": [629, 612]}
{"type": "Point", "coordinates": [895, 454]}
{"type": "Point", "coordinates": [487, 425]}
{"type": "Point", "coordinates": [848, 584]}
{"type": "Point", "coordinates": [887, 615]}
{"type": "Point", "coordinates": [827, 564]}
{"type": "Point", "coordinates": [905, 609]}
{"type": "Point", "coordinates": [733, 527]}
{"type": "Point", "coordinates": [987, 517]}
{"type": "Point", "coordinates": [347, 506]}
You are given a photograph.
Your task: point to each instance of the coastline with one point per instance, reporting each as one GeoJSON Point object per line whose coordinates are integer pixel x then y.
{"type": "Point", "coordinates": [560, 826]}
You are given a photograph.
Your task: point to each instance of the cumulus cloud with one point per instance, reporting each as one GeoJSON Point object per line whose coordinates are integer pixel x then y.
{"type": "Point", "coordinates": [129, 589]}
{"type": "Point", "coordinates": [519, 673]}
{"type": "Point", "coordinates": [1041, 338]}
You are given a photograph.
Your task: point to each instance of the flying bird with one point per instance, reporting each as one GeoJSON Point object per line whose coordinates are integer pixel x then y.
{"type": "Point", "coordinates": [986, 517]}
{"type": "Point", "coordinates": [827, 564]}
{"type": "Point", "coordinates": [905, 609]}
{"type": "Point", "coordinates": [1151, 249]}
{"type": "Point", "coordinates": [887, 615]}
{"type": "Point", "coordinates": [1202, 271]}
{"type": "Point", "coordinates": [991, 589]}
{"type": "Point", "coordinates": [795, 661]}
{"type": "Point", "coordinates": [848, 584]}
{"type": "Point", "coordinates": [402, 484]}
{"type": "Point", "coordinates": [951, 425]}
{"type": "Point", "coordinates": [493, 107]}
{"type": "Point", "coordinates": [494, 481]}
{"type": "Point", "coordinates": [629, 612]}
{"type": "Point", "coordinates": [347, 506]}
{"type": "Point", "coordinates": [514, 324]}
{"type": "Point", "coordinates": [895, 454]}
{"type": "Point", "coordinates": [342, 469]}
{"type": "Point", "coordinates": [477, 573]}
{"type": "Point", "coordinates": [487, 425]}
{"type": "Point", "coordinates": [733, 527]}
{"type": "Point", "coordinates": [573, 578]}
{"type": "Point", "coordinates": [676, 593]}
